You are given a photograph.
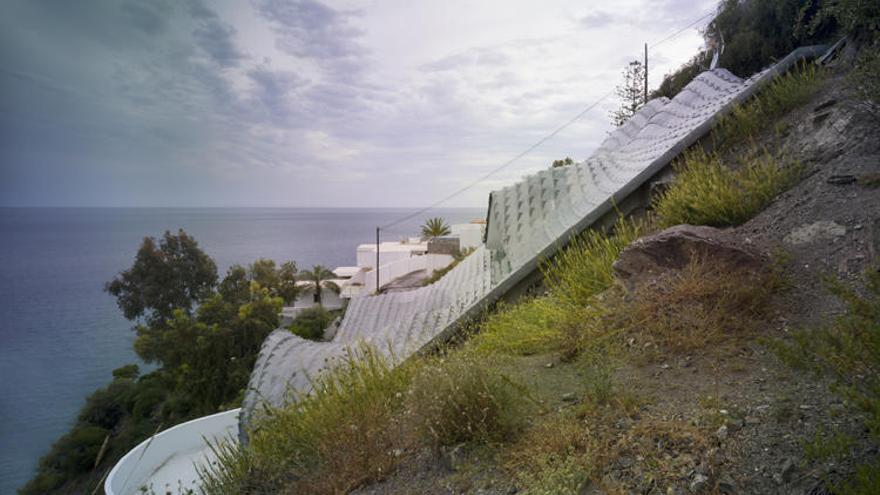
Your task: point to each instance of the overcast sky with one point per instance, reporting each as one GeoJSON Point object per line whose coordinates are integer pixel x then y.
{"type": "Point", "coordinates": [304, 103]}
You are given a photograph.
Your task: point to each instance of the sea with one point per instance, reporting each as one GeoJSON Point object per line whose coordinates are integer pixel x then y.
{"type": "Point", "coordinates": [61, 335]}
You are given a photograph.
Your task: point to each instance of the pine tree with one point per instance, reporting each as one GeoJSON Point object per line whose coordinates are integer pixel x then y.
{"type": "Point", "coordinates": [631, 93]}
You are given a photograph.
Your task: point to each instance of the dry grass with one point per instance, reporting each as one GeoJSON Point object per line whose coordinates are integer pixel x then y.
{"type": "Point", "coordinates": [340, 436]}
{"type": "Point", "coordinates": [462, 398]}
{"type": "Point", "coordinates": [565, 454]}
{"type": "Point", "coordinates": [697, 309]}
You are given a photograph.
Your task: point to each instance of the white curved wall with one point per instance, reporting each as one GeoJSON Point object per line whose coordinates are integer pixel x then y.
{"type": "Point", "coordinates": [165, 462]}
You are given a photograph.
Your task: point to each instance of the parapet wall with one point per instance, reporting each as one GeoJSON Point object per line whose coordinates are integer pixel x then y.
{"type": "Point", "coordinates": [527, 222]}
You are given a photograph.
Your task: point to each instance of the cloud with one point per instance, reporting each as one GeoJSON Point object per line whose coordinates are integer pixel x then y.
{"type": "Point", "coordinates": [310, 29]}
{"type": "Point", "coordinates": [595, 20]}
{"type": "Point", "coordinates": [217, 39]}
{"type": "Point", "coordinates": [225, 102]}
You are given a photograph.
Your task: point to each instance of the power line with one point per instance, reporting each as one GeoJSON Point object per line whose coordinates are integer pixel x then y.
{"type": "Point", "coordinates": [692, 24]}
{"type": "Point", "coordinates": [503, 165]}
{"type": "Point", "coordinates": [537, 143]}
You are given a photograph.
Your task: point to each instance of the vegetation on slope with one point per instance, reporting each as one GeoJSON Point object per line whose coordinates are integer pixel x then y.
{"type": "Point", "coordinates": [473, 393]}
{"type": "Point", "coordinates": [203, 336]}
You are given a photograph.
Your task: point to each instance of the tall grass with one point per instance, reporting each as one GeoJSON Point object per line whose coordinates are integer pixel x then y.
{"type": "Point", "coordinates": [361, 419]}
{"type": "Point", "coordinates": [781, 95]}
{"type": "Point", "coordinates": [707, 192]}
{"type": "Point", "coordinates": [462, 398]}
{"type": "Point", "coordinates": [530, 326]}
{"type": "Point", "coordinates": [340, 436]}
{"type": "Point", "coordinates": [583, 268]}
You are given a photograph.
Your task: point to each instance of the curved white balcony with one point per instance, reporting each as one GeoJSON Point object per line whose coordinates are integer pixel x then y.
{"type": "Point", "coordinates": [166, 462]}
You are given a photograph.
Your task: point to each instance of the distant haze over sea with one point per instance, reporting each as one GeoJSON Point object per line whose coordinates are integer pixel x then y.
{"type": "Point", "coordinates": [61, 335]}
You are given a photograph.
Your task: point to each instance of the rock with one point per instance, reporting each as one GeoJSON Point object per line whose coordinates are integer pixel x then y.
{"type": "Point", "coordinates": [721, 433]}
{"type": "Point", "coordinates": [841, 180]}
{"type": "Point", "coordinates": [569, 397]}
{"type": "Point", "coordinates": [674, 248]}
{"type": "Point", "coordinates": [787, 470]}
{"type": "Point", "coordinates": [699, 482]}
{"type": "Point", "coordinates": [453, 457]}
{"type": "Point", "coordinates": [822, 230]}
{"type": "Point", "coordinates": [726, 485]}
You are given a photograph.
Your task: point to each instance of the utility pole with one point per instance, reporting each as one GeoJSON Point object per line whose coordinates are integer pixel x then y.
{"type": "Point", "coordinates": [377, 260]}
{"type": "Point", "coordinates": [646, 73]}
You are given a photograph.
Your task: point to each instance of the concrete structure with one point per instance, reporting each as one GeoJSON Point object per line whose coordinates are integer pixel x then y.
{"type": "Point", "coordinates": [166, 462]}
{"type": "Point", "coordinates": [470, 235]}
{"type": "Point", "coordinates": [527, 222]}
{"type": "Point", "coordinates": [389, 251]}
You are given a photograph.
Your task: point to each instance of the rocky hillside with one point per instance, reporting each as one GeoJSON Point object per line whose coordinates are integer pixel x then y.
{"type": "Point", "coordinates": [703, 413]}
{"type": "Point", "coordinates": [727, 341]}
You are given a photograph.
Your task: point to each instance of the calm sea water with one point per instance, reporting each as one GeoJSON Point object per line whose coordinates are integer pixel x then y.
{"type": "Point", "coordinates": [61, 335]}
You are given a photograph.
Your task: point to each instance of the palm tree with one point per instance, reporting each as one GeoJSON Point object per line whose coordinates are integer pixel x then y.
{"type": "Point", "coordinates": [435, 227]}
{"type": "Point", "coordinates": [318, 277]}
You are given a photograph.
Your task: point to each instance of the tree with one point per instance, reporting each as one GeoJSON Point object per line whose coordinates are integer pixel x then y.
{"type": "Point", "coordinates": [631, 93]}
{"type": "Point", "coordinates": [173, 275]}
{"type": "Point", "coordinates": [280, 281]}
{"type": "Point", "coordinates": [318, 278]}
{"type": "Point", "coordinates": [563, 163]}
{"type": "Point", "coordinates": [311, 323]}
{"type": "Point", "coordinates": [435, 227]}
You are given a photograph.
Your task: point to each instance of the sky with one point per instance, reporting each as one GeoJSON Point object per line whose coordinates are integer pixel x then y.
{"type": "Point", "coordinates": [307, 103]}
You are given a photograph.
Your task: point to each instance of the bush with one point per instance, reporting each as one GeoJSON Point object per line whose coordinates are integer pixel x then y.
{"type": "Point", "coordinates": [530, 326]}
{"type": "Point", "coordinates": [333, 440]}
{"type": "Point", "coordinates": [706, 192]}
{"type": "Point", "coordinates": [461, 398]}
{"type": "Point", "coordinates": [847, 349]}
{"type": "Point", "coordinates": [311, 323]}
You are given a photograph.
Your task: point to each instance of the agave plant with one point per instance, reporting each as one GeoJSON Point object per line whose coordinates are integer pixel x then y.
{"type": "Point", "coordinates": [435, 227]}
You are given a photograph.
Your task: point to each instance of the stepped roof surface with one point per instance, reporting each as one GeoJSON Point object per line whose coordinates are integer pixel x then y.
{"type": "Point", "coordinates": [527, 221]}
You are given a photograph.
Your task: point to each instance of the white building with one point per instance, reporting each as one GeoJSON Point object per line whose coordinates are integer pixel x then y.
{"type": "Point", "coordinates": [470, 235]}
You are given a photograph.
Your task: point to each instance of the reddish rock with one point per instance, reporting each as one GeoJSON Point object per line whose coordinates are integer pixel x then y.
{"type": "Point", "coordinates": [675, 247]}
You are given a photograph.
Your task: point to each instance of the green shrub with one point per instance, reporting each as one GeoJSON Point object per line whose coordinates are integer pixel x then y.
{"type": "Point", "coordinates": [827, 446]}
{"type": "Point", "coordinates": [748, 121]}
{"type": "Point", "coordinates": [530, 326]}
{"type": "Point", "coordinates": [706, 192]}
{"type": "Point", "coordinates": [583, 268]}
{"type": "Point", "coordinates": [311, 322]}
{"type": "Point", "coordinates": [462, 398]}
{"type": "Point", "coordinates": [865, 482]}
{"type": "Point", "coordinates": [847, 349]}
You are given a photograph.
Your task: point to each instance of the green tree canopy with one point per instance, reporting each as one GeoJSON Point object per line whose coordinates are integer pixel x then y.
{"type": "Point", "coordinates": [435, 227]}
{"type": "Point", "coordinates": [318, 278]}
{"type": "Point", "coordinates": [563, 163]}
{"type": "Point", "coordinates": [631, 93]}
{"type": "Point", "coordinates": [173, 275]}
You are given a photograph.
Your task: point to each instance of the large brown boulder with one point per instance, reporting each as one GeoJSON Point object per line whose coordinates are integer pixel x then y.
{"type": "Point", "coordinates": [645, 259]}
